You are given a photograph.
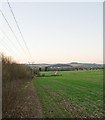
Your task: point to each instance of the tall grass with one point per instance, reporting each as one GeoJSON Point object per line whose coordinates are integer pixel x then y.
{"type": "Point", "coordinates": [13, 76]}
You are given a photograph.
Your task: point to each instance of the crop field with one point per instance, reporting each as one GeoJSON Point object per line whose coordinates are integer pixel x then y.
{"type": "Point", "coordinates": [74, 94]}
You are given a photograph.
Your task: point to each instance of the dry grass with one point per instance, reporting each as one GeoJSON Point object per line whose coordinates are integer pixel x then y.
{"type": "Point", "coordinates": [14, 75]}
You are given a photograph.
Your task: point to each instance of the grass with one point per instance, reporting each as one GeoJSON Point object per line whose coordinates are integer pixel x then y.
{"type": "Point", "coordinates": [24, 86]}
{"type": "Point", "coordinates": [74, 94]}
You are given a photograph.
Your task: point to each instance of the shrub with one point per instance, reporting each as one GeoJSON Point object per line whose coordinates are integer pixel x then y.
{"type": "Point", "coordinates": [13, 76]}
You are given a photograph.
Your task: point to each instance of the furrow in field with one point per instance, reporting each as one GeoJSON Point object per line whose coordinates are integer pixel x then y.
{"type": "Point", "coordinates": [72, 94]}
{"type": "Point", "coordinates": [80, 101]}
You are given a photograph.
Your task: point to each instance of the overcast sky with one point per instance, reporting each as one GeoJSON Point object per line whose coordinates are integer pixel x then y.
{"type": "Point", "coordinates": [54, 32]}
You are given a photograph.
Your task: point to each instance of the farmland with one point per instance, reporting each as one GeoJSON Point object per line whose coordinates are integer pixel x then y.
{"type": "Point", "coordinates": [74, 94]}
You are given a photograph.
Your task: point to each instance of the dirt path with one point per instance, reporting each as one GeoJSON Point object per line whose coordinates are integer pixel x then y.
{"type": "Point", "coordinates": [26, 104]}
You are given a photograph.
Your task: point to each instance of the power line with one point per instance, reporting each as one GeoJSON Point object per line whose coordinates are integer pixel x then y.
{"type": "Point", "coordinates": [9, 40]}
{"type": "Point", "coordinates": [19, 28]}
{"type": "Point", "coordinates": [6, 46]}
{"type": "Point", "coordinates": [12, 31]}
{"type": "Point", "coordinates": [7, 37]}
{"type": "Point", "coordinates": [7, 50]}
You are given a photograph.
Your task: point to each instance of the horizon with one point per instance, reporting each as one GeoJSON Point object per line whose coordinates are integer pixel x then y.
{"type": "Point", "coordinates": [65, 63]}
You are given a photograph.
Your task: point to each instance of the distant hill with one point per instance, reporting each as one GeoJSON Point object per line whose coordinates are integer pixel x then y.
{"type": "Point", "coordinates": [86, 65]}
{"type": "Point", "coordinates": [69, 65]}
{"type": "Point", "coordinates": [60, 65]}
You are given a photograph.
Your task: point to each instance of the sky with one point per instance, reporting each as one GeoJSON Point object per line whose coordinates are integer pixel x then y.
{"type": "Point", "coordinates": [54, 32]}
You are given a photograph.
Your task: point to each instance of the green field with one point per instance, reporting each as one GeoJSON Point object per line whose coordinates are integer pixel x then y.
{"type": "Point", "coordinates": [74, 94]}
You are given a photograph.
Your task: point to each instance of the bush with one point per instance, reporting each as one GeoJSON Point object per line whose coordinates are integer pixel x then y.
{"type": "Point", "coordinates": [14, 75]}
{"type": "Point", "coordinates": [36, 72]}
{"type": "Point", "coordinates": [12, 70]}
